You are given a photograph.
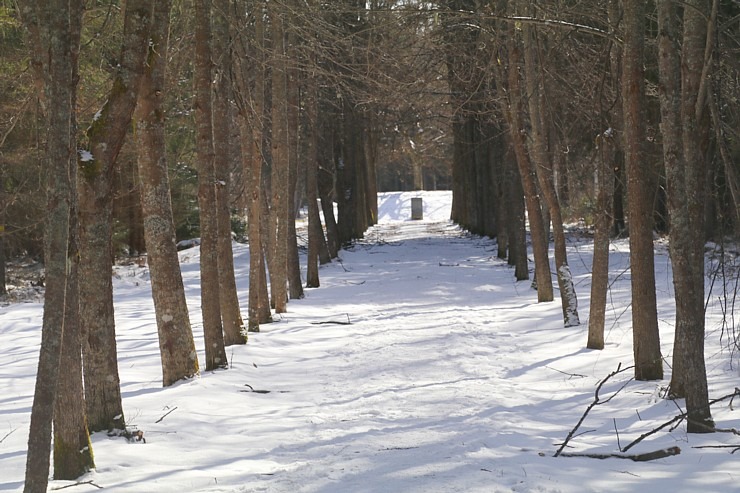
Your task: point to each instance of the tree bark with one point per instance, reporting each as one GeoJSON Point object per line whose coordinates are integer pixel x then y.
{"type": "Point", "coordinates": [233, 325]}
{"type": "Point", "coordinates": [51, 25]}
{"type": "Point", "coordinates": [280, 164]}
{"type": "Point", "coordinates": [209, 277]}
{"type": "Point", "coordinates": [176, 344]}
{"type": "Point", "coordinates": [295, 285]}
{"type": "Point", "coordinates": [526, 172]}
{"type": "Point", "coordinates": [73, 455]}
{"type": "Point", "coordinates": [543, 169]}
{"type": "Point", "coordinates": [105, 137]}
{"type": "Point", "coordinates": [602, 227]}
{"type": "Point", "coordinates": [685, 142]}
{"type": "Point", "coordinates": [641, 181]}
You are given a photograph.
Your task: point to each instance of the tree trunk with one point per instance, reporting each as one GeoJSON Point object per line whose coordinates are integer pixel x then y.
{"type": "Point", "coordinates": [280, 164]}
{"type": "Point", "coordinates": [51, 24]}
{"type": "Point", "coordinates": [685, 142]}
{"type": "Point", "coordinates": [105, 138]}
{"type": "Point", "coordinates": [209, 278]}
{"type": "Point", "coordinates": [514, 196]}
{"type": "Point", "coordinates": [543, 166]}
{"type": "Point", "coordinates": [295, 284]}
{"type": "Point", "coordinates": [641, 180]}
{"type": "Point", "coordinates": [602, 227]}
{"type": "Point", "coordinates": [250, 97]}
{"type": "Point", "coordinates": [73, 454]}
{"type": "Point", "coordinates": [176, 344]}
{"type": "Point", "coordinates": [317, 249]}
{"type": "Point", "coordinates": [534, 209]}
{"type": "Point", "coordinates": [223, 120]}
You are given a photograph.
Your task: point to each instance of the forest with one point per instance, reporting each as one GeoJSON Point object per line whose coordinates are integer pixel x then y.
{"type": "Point", "coordinates": [127, 128]}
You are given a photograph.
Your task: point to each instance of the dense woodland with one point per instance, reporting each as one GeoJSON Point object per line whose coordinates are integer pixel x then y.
{"type": "Point", "coordinates": [127, 126]}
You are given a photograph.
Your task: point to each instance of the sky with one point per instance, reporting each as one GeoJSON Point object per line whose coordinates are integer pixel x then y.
{"type": "Point", "coordinates": [419, 365]}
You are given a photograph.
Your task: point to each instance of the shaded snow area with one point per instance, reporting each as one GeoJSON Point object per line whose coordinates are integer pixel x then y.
{"type": "Point", "coordinates": [444, 375]}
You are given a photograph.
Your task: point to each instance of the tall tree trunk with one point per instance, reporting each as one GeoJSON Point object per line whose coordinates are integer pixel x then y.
{"type": "Point", "coordinates": [602, 227]}
{"type": "Point", "coordinates": [295, 284]}
{"type": "Point", "coordinates": [641, 181]}
{"type": "Point", "coordinates": [543, 166]}
{"type": "Point", "coordinates": [73, 455]}
{"type": "Point", "coordinates": [534, 209]}
{"type": "Point", "coordinates": [50, 25]}
{"type": "Point", "coordinates": [685, 142]}
{"type": "Point", "coordinates": [105, 138]}
{"type": "Point", "coordinates": [205, 155]}
{"type": "Point", "coordinates": [607, 147]}
{"type": "Point", "coordinates": [223, 120]}
{"type": "Point", "coordinates": [176, 344]}
{"type": "Point", "coordinates": [318, 251]}
{"type": "Point", "coordinates": [250, 98]}
{"type": "Point", "coordinates": [280, 164]}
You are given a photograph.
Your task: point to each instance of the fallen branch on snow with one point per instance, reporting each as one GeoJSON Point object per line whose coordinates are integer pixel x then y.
{"type": "Point", "coordinates": [684, 415]}
{"type": "Point", "coordinates": [80, 483]}
{"type": "Point", "coordinates": [597, 401]}
{"type": "Point", "coordinates": [658, 454]}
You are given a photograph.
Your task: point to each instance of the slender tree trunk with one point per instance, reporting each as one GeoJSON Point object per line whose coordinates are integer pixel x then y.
{"type": "Point", "coordinates": [543, 166]}
{"type": "Point", "coordinates": [176, 344]}
{"type": "Point", "coordinates": [688, 258]}
{"type": "Point", "coordinates": [209, 278]}
{"type": "Point", "coordinates": [51, 25]}
{"type": "Point", "coordinates": [528, 177]}
{"type": "Point", "coordinates": [602, 227]}
{"type": "Point", "coordinates": [325, 178]}
{"type": "Point", "coordinates": [685, 142]}
{"type": "Point", "coordinates": [318, 250]}
{"type": "Point", "coordinates": [280, 164]}
{"type": "Point", "coordinates": [514, 196]}
{"type": "Point", "coordinates": [641, 180]}
{"type": "Point", "coordinates": [295, 284]}
{"type": "Point", "coordinates": [250, 97]}
{"type": "Point", "coordinates": [73, 454]}
{"type": "Point", "coordinates": [233, 325]}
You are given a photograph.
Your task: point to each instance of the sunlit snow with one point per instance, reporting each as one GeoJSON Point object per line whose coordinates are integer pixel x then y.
{"type": "Point", "coordinates": [442, 374]}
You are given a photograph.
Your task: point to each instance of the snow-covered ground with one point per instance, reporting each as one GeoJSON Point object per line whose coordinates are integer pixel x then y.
{"type": "Point", "coordinates": [444, 375]}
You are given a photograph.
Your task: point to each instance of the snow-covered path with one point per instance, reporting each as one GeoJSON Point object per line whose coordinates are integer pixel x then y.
{"type": "Point", "coordinates": [419, 365]}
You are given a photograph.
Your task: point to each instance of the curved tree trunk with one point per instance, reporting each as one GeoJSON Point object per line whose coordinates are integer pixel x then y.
{"type": "Point", "coordinates": [176, 344]}
{"type": "Point", "coordinates": [105, 138]}
{"type": "Point", "coordinates": [543, 166]}
{"type": "Point", "coordinates": [534, 209]}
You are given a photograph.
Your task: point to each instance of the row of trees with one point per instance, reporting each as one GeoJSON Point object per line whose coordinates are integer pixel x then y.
{"type": "Point", "coordinates": [661, 112]}
{"type": "Point", "coordinates": [546, 107]}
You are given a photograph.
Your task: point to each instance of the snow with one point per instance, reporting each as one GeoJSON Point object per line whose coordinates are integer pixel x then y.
{"type": "Point", "coordinates": [449, 377]}
{"type": "Point", "coordinates": [85, 155]}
